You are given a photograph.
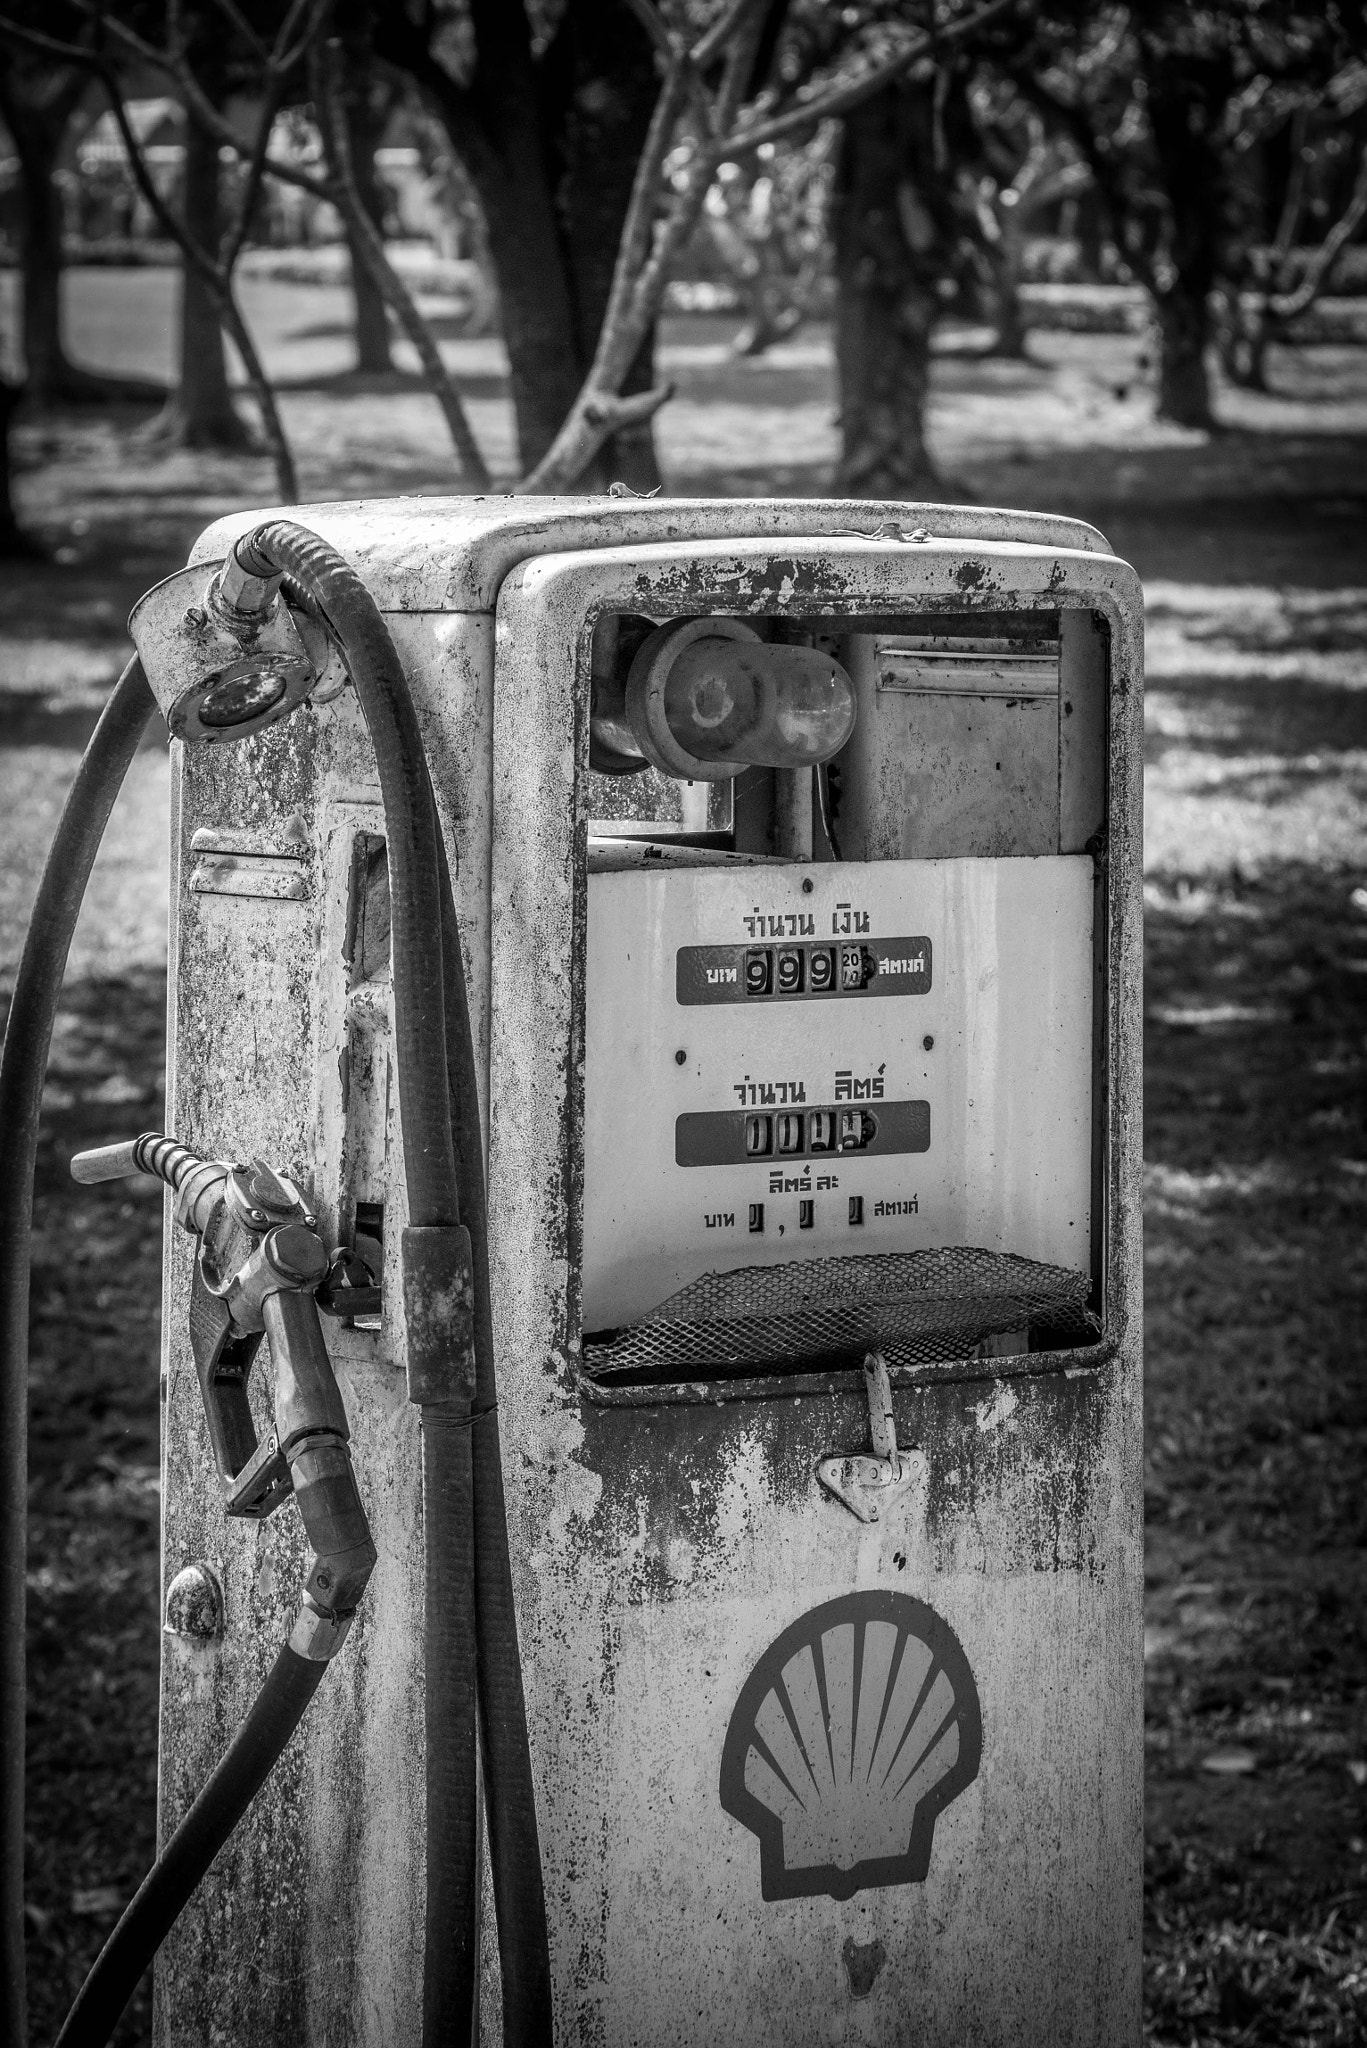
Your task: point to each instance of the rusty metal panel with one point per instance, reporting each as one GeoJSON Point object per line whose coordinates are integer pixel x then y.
{"type": "Point", "coordinates": [950, 757]}
{"type": "Point", "coordinates": [452, 554]}
{"type": "Point", "coordinates": [662, 1552]}
{"type": "Point", "coordinates": [1081, 730]}
{"type": "Point", "coordinates": [309, 1926]}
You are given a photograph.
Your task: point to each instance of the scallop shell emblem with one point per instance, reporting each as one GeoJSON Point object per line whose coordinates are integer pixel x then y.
{"type": "Point", "coordinates": [854, 1731]}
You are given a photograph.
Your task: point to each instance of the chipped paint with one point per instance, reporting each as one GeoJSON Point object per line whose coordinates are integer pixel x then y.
{"type": "Point", "coordinates": [1024, 1533]}
{"type": "Point", "coordinates": [996, 1410]}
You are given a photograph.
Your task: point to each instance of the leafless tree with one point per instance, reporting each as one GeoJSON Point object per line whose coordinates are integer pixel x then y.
{"type": "Point", "coordinates": [705, 116]}
{"type": "Point", "coordinates": [301, 39]}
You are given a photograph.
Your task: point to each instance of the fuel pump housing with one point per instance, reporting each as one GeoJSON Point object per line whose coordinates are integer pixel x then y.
{"type": "Point", "coordinates": [811, 1104]}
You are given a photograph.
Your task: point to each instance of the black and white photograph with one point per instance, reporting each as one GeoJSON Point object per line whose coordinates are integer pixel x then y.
{"type": "Point", "coordinates": [683, 970]}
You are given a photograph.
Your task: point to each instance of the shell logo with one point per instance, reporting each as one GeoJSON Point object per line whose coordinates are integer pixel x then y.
{"type": "Point", "coordinates": [855, 1730]}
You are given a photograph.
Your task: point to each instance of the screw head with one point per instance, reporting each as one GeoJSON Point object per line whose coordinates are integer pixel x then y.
{"type": "Point", "coordinates": [681, 1058]}
{"type": "Point", "coordinates": [807, 885]}
{"type": "Point", "coordinates": [928, 1042]}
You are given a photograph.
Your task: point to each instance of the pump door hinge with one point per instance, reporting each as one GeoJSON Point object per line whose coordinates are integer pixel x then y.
{"type": "Point", "coordinates": [868, 1484]}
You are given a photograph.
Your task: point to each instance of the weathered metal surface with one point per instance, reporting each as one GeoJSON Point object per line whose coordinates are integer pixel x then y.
{"type": "Point", "coordinates": [659, 1552]}
{"type": "Point", "coordinates": [452, 554]}
{"type": "Point", "coordinates": [659, 1547]}
{"type": "Point", "coordinates": [185, 643]}
{"type": "Point", "coordinates": [308, 1928]}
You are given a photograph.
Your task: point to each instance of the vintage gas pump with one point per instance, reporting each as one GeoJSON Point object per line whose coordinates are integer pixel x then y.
{"type": "Point", "coordinates": [794, 854]}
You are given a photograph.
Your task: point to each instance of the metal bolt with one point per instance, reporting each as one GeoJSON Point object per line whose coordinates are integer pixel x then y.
{"type": "Point", "coordinates": [322, 1580]}
{"type": "Point", "coordinates": [680, 1058]}
{"type": "Point", "coordinates": [297, 1254]}
{"type": "Point", "coordinates": [194, 1604]}
{"type": "Point", "coordinates": [807, 885]}
{"type": "Point", "coordinates": [928, 1042]}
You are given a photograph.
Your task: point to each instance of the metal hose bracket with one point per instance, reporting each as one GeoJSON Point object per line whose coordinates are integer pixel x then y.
{"type": "Point", "coordinates": [218, 673]}
{"type": "Point", "coordinates": [439, 1315]}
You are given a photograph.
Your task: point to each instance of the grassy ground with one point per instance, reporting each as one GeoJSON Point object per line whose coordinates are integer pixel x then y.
{"type": "Point", "coordinates": [1251, 546]}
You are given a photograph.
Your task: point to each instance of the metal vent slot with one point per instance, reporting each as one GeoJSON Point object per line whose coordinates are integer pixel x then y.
{"type": "Point", "coordinates": [927, 664]}
{"type": "Point", "coordinates": [234, 861]}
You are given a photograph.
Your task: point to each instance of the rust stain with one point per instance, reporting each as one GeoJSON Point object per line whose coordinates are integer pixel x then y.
{"type": "Point", "coordinates": [863, 1960]}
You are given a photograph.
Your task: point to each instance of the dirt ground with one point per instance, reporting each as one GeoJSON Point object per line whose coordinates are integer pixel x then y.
{"type": "Point", "coordinates": [1251, 544]}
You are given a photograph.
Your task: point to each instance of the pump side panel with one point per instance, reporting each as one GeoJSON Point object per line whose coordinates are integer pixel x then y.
{"type": "Point", "coordinates": [308, 1928]}
{"type": "Point", "coordinates": [661, 1550]}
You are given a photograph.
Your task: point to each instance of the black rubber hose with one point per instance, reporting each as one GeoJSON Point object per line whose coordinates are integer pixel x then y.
{"type": "Point", "coordinates": [28, 1035]}
{"type": "Point", "coordinates": [451, 1922]}
{"type": "Point", "coordinates": [419, 891]}
{"type": "Point", "coordinates": [411, 828]}
{"type": "Point", "coordinates": [509, 1794]}
{"type": "Point", "coordinates": [224, 1798]}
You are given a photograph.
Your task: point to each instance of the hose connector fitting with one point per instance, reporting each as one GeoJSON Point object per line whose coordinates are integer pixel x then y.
{"type": "Point", "coordinates": [246, 589]}
{"type": "Point", "coordinates": [222, 652]}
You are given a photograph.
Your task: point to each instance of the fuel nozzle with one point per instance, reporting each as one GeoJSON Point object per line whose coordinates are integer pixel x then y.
{"type": "Point", "coordinates": [705, 699]}
{"type": "Point", "coordinates": [258, 1270]}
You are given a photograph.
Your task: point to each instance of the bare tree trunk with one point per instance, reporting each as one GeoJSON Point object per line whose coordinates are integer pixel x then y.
{"type": "Point", "coordinates": [1007, 263]}
{"type": "Point", "coordinates": [888, 252]}
{"type": "Point", "coordinates": [200, 412]}
{"type": "Point", "coordinates": [38, 133]}
{"type": "Point", "coordinates": [1091, 235]}
{"type": "Point", "coordinates": [14, 542]}
{"type": "Point", "coordinates": [1186, 98]}
{"type": "Point", "coordinates": [513, 172]}
{"type": "Point", "coordinates": [324, 68]}
{"type": "Point", "coordinates": [37, 106]}
{"type": "Point", "coordinates": [1183, 336]}
{"type": "Point", "coordinates": [513, 130]}
{"type": "Point", "coordinates": [367, 112]}
{"type": "Point", "coordinates": [604, 85]}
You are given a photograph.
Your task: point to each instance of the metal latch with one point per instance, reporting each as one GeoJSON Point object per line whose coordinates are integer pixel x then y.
{"type": "Point", "coordinates": [868, 1484]}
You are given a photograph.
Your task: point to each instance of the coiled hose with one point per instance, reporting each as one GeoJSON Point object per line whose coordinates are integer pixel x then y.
{"type": "Point", "coordinates": [469, 1574]}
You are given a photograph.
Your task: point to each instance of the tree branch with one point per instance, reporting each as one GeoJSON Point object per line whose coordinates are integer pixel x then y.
{"type": "Point", "coordinates": [611, 413]}
{"type": "Point", "coordinates": [824, 104]}
{"type": "Point", "coordinates": [713, 41]}
{"type": "Point", "coordinates": [655, 26]}
{"type": "Point", "coordinates": [1288, 306]}
{"type": "Point", "coordinates": [385, 278]}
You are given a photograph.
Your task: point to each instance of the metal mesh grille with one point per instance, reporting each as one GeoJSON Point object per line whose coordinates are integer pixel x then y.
{"type": "Point", "coordinates": [914, 1307]}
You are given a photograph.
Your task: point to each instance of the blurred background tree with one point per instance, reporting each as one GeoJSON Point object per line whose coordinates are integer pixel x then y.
{"type": "Point", "coordinates": [573, 168]}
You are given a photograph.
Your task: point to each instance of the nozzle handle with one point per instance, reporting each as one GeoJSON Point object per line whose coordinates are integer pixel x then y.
{"type": "Point", "coordinates": [152, 1153]}
{"type": "Point", "coordinates": [108, 1162]}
